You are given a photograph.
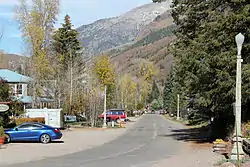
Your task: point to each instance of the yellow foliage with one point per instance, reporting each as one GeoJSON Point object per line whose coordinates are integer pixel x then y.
{"type": "Point", "coordinates": [147, 71]}
{"type": "Point", "coordinates": [36, 24]}
{"type": "Point", "coordinates": [128, 91]}
{"type": "Point", "coordinates": [104, 70]}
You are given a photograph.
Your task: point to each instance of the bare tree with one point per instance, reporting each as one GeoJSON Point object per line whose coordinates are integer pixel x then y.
{"type": "Point", "coordinates": [36, 23]}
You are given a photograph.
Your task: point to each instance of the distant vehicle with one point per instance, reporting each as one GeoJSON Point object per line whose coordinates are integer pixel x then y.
{"type": "Point", "coordinates": [80, 118]}
{"type": "Point", "coordinates": [162, 112]}
{"type": "Point", "coordinates": [114, 115]}
{"type": "Point", "coordinates": [32, 131]}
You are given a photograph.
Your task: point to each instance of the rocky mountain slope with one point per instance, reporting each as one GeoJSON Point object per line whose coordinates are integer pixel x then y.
{"type": "Point", "coordinates": [12, 62]}
{"type": "Point", "coordinates": [108, 33]}
{"type": "Point", "coordinates": [151, 44]}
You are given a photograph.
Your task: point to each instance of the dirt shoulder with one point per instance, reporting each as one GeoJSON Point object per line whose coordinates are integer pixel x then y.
{"type": "Point", "coordinates": [196, 151]}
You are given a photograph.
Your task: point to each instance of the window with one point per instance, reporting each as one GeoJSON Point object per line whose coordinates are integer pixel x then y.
{"type": "Point", "coordinates": [35, 126]}
{"type": "Point", "coordinates": [19, 89]}
{"type": "Point", "coordinates": [30, 126]}
{"type": "Point", "coordinates": [25, 126]}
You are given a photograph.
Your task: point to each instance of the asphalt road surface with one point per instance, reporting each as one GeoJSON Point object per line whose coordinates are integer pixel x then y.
{"type": "Point", "coordinates": [143, 145]}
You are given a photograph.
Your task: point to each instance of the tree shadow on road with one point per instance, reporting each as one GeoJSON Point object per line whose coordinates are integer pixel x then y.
{"type": "Point", "coordinates": [197, 135]}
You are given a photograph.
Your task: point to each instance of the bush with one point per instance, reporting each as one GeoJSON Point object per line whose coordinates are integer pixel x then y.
{"type": "Point", "coordinates": [10, 125]}
{"type": "Point", "coordinates": [22, 120]}
{"type": "Point", "coordinates": [1, 131]}
{"type": "Point", "coordinates": [4, 119]}
{"type": "Point", "coordinates": [246, 129]}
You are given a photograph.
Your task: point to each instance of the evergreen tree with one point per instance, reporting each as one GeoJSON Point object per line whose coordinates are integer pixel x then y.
{"type": "Point", "coordinates": [69, 66]}
{"type": "Point", "coordinates": [155, 93]}
{"type": "Point", "coordinates": [205, 54]}
{"type": "Point", "coordinates": [4, 91]}
{"type": "Point", "coordinates": [168, 89]}
{"type": "Point", "coordinates": [66, 44]}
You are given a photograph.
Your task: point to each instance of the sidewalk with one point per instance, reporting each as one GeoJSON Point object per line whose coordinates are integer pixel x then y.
{"type": "Point", "coordinates": [74, 140]}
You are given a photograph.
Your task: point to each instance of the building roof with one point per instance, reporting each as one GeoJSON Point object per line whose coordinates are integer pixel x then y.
{"type": "Point", "coordinates": [13, 77]}
{"type": "Point", "coordinates": [28, 100]}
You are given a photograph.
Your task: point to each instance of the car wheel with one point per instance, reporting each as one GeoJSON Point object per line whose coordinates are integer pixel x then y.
{"type": "Point", "coordinates": [45, 138]}
{"type": "Point", "coordinates": [7, 139]}
{"type": "Point", "coordinates": [117, 120]}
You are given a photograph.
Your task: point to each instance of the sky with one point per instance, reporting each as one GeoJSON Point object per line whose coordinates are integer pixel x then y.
{"type": "Point", "coordinates": [80, 11]}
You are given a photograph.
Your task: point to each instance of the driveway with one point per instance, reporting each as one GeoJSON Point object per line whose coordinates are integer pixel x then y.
{"type": "Point", "coordinates": [74, 140]}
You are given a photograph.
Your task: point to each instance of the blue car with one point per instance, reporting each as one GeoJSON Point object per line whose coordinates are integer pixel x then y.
{"type": "Point", "coordinates": [31, 131]}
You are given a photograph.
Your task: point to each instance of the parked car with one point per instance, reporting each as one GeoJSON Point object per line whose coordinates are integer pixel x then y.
{"type": "Point", "coordinates": [162, 112]}
{"type": "Point", "coordinates": [32, 131]}
{"type": "Point", "coordinates": [114, 115]}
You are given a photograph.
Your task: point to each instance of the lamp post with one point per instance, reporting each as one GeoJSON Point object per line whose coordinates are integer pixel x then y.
{"type": "Point", "coordinates": [237, 151]}
{"type": "Point", "coordinates": [104, 113]}
{"type": "Point", "coordinates": [178, 107]}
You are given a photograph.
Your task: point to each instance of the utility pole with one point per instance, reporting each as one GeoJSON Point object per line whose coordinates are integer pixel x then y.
{"type": "Point", "coordinates": [105, 101]}
{"type": "Point", "coordinates": [178, 106]}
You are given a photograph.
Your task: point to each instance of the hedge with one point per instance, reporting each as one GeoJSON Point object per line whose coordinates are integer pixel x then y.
{"type": "Point", "coordinates": [22, 120]}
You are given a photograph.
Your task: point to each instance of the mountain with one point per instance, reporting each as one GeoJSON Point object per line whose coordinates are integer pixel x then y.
{"type": "Point", "coordinates": [151, 44]}
{"type": "Point", "coordinates": [113, 32]}
{"type": "Point", "coordinates": [12, 62]}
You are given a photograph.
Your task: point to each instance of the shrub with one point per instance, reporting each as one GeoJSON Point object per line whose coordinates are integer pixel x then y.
{"type": "Point", "coordinates": [1, 131]}
{"type": "Point", "coordinates": [246, 129]}
{"type": "Point", "coordinates": [10, 125]}
{"type": "Point", "coordinates": [22, 120]}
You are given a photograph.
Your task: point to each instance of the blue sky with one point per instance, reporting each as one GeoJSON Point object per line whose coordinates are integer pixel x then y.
{"type": "Point", "coordinates": [81, 12]}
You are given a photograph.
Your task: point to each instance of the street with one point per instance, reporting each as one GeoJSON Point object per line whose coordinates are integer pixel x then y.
{"type": "Point", "coordinates": [141, 146]}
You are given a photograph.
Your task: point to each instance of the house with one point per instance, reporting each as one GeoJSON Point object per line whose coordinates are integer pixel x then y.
{"type": "Point", "coordinates": [18, 83]}
{"type": "Point", "coordinates": [18, 89]}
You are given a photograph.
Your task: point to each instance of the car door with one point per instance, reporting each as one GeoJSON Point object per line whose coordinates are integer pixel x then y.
{"type": "Point", "coordinates": [35, 131]}
{"type": "Point", "coordinates": [22, 132]}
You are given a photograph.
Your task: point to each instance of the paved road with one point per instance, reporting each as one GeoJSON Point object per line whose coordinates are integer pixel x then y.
{"type": "Point", "coordinates": [141, 146]}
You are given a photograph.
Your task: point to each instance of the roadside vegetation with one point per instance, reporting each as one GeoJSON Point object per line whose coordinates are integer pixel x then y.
{"type": "Point", "coordinates": [204, 68]}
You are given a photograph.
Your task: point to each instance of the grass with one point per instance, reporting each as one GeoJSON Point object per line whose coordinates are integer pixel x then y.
{"type": "Point", "coordinates": [242, 162]}
{"type": "Point", "coordinates": [185, 122]}
{"type": "Point", "coordinates": [199, 133]}
{"type": "Point", "coordinates": [182, 121]}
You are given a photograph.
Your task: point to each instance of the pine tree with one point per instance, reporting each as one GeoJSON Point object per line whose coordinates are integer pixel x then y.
{"type": "Point", "coordinates": [168, 89]}
{"type": "Point", "coordinates": [155, 93]}
{"type": "Point", "coordinates": [66, 44]}
{"type": "Point", "coordinates": [69, 68]}
{"type": "Point", "coordinates": [4, 91]}
{"type": "Point", "coordinates": [205, 54]}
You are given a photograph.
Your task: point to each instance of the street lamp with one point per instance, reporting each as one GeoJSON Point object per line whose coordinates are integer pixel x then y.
{"type": "Point", "coordinates": [237, 152]}
{"type": "Point", "coordinates": [105, 109]}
